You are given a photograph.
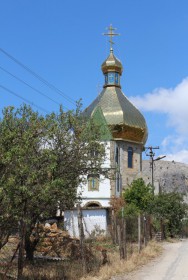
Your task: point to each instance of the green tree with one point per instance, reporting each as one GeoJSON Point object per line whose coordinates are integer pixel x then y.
{"type": "Point", "coordinates": [42, 160]}
{"type": "Point", "coordinates": [168, 210]}
{"type": "Point", "coordinates": [138, 197]}
{"type": "Point", "coordinates": [7, 221]}
{"type": "Point", "coordinates": [75, 151]}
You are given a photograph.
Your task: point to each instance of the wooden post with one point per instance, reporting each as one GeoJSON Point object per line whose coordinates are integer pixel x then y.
{"type": "Point", "coordinates": [81, 235]}
{"type": "Point", "coordinates": [139, 233]}
{"type": "Point", "coordinates": [21, 250]}
{"type": "Point", "coordinates": [124, 239]}
{"type": "Point", "coordinates": [145, 232]}
{"type": "Point", "coordinates": [113, 227]}
{"type": "Point", "coordinates": [150, 227]}
{"type": "Point", "coordinates": [120, 241]}
{"type": "Point", "coordinates": [116, 230]}
{"type": "Point", "coordinates": [123, 224]}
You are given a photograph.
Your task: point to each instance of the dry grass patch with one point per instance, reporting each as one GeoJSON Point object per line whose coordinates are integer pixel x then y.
{"type": "Point", "coordinates": [172, 240]}
{"type": "Point", "coordinates": [117, 266]}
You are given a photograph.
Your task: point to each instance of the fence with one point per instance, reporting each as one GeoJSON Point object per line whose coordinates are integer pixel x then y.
{"type": "Point", "coordinates": [127, 234]}
{"type": "Point", "coordinates": [126, 231]}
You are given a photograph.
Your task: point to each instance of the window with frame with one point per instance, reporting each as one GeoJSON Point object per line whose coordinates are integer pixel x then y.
{"type": "Point", "coordinates": [95, 150]}
{"type": "Point", "coordinates": [130, 157]}
{"type": "Point", "coordinates": [93, 182]}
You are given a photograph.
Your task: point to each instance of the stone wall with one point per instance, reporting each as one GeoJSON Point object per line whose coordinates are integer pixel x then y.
{"type": "Point", "coordinates": [127, 174]}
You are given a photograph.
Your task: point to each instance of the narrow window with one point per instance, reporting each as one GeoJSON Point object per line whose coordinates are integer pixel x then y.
{"type": "Point", "coordinates": [117, 155]}
{"type": "Point", "coordinates": [118, 182]}
{"type": "Point", "coordinates": [93, 182]}
{"type": "Point", "coordinates": [116, 78]}
{"type": "Point", "coordinates": [130, 157]}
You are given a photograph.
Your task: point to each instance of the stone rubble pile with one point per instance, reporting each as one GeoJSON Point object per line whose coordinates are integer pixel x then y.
{"type": "Point", "coordinates": [55, 242]}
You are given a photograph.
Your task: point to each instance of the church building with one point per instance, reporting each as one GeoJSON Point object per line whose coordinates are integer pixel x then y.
{"type": "Point", "coordinates": [125, 134]}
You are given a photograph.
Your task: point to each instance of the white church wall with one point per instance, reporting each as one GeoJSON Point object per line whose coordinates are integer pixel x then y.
{"type": "Point", "coordinates": [94, 221]}
{"type": "Point", "coordinates": [103, 193]}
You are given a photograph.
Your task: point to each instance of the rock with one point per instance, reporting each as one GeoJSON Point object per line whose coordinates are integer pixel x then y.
{"type": "Point", "coordinates": [171, 175]}
{"type": "Point", "coordinates": [47, 226]}
{"type": "Point", "coordinates": [54, 227]}
{"type": "Point", "coordinates": [55, 242]}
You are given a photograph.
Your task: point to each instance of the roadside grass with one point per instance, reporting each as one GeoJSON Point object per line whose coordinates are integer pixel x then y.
{"type": "Point", "coordinates": [136, 260]}
{"type": "Point", "coordinates": [72, 269]}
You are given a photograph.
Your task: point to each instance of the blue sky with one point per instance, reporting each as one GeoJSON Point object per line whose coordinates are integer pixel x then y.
{"type": "Point", "coordinates": [61, 41]}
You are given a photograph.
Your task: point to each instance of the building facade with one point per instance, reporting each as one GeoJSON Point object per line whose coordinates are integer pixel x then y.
{"type": "Point", "coordinates": [125, 133]}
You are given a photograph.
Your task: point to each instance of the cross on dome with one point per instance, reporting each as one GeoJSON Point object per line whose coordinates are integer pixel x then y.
{"type": "Point", "coordinates": [111, 34]}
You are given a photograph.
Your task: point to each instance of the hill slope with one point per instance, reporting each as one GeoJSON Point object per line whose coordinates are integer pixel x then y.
{"type": "Point", "coordinates": [171, 175]}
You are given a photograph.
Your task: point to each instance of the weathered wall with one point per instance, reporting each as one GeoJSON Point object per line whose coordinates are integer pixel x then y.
{"type": "Point", "coordinates": [127, 174]}
{"type": "Point", "coordinates": [93, 220]}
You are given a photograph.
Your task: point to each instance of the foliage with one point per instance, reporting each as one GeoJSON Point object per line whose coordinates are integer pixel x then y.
{"type": "Point", "coordinates": [169, 209]}
{"type": "Point", "coordinates": [23, 180]}
{"type": "Point", "coordinates": [131, 210]}
{"type": "Point", "coordinates": [184, 231]}
{"type": "Point", "coordinates": [117, 203]}
{"type": "Point", "coordinates": [138, 197]}
{"type": "Point", "coordinates": [42, 161]}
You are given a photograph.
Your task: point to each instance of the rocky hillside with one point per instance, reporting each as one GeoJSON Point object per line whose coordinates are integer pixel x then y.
{"type": "Point", "coordinates": [171, 175]}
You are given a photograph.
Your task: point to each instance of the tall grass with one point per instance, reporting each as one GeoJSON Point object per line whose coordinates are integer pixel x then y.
{"type": "Point", "coordinates": [117, 266]}
{"type": "Point", "coordinates": [71, 269]}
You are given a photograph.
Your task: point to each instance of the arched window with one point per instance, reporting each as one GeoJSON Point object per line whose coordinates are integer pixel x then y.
{"type": "Point", "coordinates": [93, 182]}
{"type": "Point", "coordinates": [130, 157]}
{"type": "Point", "coordinates": [93, 204]}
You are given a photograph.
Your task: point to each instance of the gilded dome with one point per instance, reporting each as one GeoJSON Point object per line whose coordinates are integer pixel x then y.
{"type": "Point", "coordinates": [123, 119]}
{"type": "Point", "coordinates": [112, 64]}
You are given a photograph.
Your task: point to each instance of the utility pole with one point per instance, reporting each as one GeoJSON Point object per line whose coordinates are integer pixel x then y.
{"type": "Point", "coordinates": [151, 155]}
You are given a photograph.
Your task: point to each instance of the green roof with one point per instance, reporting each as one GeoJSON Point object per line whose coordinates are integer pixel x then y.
{"type": "Point", "coordinates": [100, 121]}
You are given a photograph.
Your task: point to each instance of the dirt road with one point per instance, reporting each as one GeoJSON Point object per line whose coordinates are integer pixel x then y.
{"type": "Point", "coordinates": [171, 265]}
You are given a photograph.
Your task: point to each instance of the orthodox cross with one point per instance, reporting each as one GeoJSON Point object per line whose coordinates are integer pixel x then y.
{"type": "Point", "coordinates": [111, 34]}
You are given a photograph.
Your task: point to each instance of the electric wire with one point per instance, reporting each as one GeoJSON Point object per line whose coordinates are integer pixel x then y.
{"type": "Point", "coordinates": [51, 86]}
{"type": "Point", "coordinates": [24, 99]}
{"type": "Point", "coordinates": [23, 82]}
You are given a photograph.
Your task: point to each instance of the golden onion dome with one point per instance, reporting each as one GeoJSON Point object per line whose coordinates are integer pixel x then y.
{"type": "Point", "coordinates": [124, 120]}
{"type": "Point", "coordinates": [112, 64]}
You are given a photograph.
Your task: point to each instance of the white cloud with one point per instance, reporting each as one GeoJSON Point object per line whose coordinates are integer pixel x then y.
{"type": "Point", "coordinates": [173, 102]}
{"type": "Point", "coordinates": [180, 156]}
{"type": "Point", "coordinates": [175, 141]}
{"type": "Point", "coordinates": [175, 148]}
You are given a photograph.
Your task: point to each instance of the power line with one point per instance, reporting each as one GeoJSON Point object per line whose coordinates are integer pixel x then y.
{"type": "Point", "coordinates": [24, 99]}
{"type": "Point", "coordinates": [51, 86]}
{"type": "Point", "coordinates": [23, 82]}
